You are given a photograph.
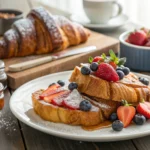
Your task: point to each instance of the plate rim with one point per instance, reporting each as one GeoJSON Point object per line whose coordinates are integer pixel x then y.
{"type": "Point", "coordinates": [69, 135]}
{"type": "Point", "coordinates": [101, 26]}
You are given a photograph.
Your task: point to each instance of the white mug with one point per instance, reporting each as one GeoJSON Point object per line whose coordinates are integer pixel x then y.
{"type": "Point", "coordinates": [101, 11]}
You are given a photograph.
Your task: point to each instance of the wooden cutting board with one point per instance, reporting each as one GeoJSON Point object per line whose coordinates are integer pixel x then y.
{"type": "Point", "coordinates": [102, 42]}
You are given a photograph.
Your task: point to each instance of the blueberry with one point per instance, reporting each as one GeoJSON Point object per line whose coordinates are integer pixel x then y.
{"type": "Point", "coordinates": [144, 80]}
{"type": "Point", "coordinates": [85, 70]}
{"type": "Point", "coordinates": [139, 119]}
{"type": "Point", "coordinates": [126, 70]}
{"type": "Point", "coordinates": [120, 74]}
{"type": "Point", "coordinates": [94, 66]}
{"type": "Point", "coordinates": [113, 117]}
{"type": "Point", "coordinates": [119, 68]}
{"type": "Point", "coordinates": [85, 105]}
{"type": "Point", "coordinates": [51, 84]}
{"type": "Point", "coordinates": [117, 125]}
{"type": "Point", "coordinates": [72, 86]}
{"type": "Point", "coordinates": [61, 83]}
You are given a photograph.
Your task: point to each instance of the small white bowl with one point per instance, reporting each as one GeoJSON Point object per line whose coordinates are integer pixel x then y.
{"type": "Point", "coordinates": [138, 57]}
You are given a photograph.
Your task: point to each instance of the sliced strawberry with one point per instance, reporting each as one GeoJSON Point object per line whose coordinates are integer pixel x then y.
{"type": "Point", "coordinates": [138, 38]}
{"type": "Point", "coordinates": [73, 100]}
{"type": "Point", "coordinates": [113, 64]}
{"type": "Point", "coordinates": [58, 100]}
{"type": "Point", "coordinates": [98, 59]}
{"type": "Point", "coordinates": [53, 96]}
{"type": "Point", "coordinates": [50, 90]}
{"type": "Point", "coordinates": [144, 109]}
{"type": "Point", "coordinates": [106, 72]}
{"type": "Point", "coordinates": [70, 104]}
{"type": "Point", "coordinates": [125, 114]}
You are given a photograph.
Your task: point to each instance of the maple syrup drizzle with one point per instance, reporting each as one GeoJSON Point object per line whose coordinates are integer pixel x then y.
{"type": "Point", "coordinates": [102, 125]}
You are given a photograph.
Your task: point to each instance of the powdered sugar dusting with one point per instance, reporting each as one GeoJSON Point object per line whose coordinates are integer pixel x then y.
{"type": "Point", "coordinates": [7, 122]}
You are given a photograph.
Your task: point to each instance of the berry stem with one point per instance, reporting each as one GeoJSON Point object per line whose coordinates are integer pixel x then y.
{"type": "Point", "coordinates": [125, 103]}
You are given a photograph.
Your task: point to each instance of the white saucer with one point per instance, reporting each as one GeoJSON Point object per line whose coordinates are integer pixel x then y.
{"type": "Point", "coordinates": [114, 23]}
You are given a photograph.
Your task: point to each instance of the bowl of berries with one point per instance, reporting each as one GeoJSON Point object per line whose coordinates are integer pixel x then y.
{"type": "Point", "coordinates": [135, 46]}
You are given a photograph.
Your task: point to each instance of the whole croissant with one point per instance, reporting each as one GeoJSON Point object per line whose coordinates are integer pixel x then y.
{"type": "Point", "coordinates": [41, 33]}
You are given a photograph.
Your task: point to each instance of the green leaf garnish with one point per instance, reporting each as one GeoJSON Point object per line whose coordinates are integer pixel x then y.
{"type": "Point", "coordinates": [122, 61]}
{"type": "Point", "coordinates": [112, 55]}
{"type": "Point", "coordinates": [103, 56]}
{"type": "Point", "coordinates": [125, 103]}
{"type": "Point", "coordinates": [90, 59]}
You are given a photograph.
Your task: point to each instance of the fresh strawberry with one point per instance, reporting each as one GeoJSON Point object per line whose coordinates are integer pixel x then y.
{"type": "Point", "coordinates": [145, 30]}
{"type": "Point", "coordinates": [98, 59]}
{"type": "Point", "coordinates": [106, 72]}
{"type": "Point", "coordinates": [73, 100]}
{"type": "Point", "coordinates": [127, 41]}
{"type": "Point", "coordinates": [53, 96]}
{"type": "Point", "coordinates": [113, 64]}
{"type": "Point", "coordinates": [147, 43]}
{"type": "Point", "coordinates": [126, 113]}
{"type": "Point", "coordinates": [144, 109]}
{"type": "Point", "coordinates": [50, 90]}
{"type": "Point", "coordinates": [138, 38]}
{"type": "Point", "coordinates": [58, 100]}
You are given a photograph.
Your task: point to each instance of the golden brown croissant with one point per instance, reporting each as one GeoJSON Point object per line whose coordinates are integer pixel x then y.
{"type": "Point", "coordinates": [41, 33]}
{"type": "Point", "coordinates": [129, 88]}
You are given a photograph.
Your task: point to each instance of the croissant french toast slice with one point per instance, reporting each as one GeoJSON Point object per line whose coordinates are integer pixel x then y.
{"type": "Point", "coordinates": [132, 80]}
{"type": "Point", "coordinates": [102, 89]}
{"type": "Point", "coordinates": [53, 113]}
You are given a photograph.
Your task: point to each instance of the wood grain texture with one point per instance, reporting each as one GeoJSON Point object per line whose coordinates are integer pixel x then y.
{"type": "Point", "coordinates": [142, 143]}
{"type": "Point", "coordinates": [103, 43]}
{"type": "Point", "coordinates": [36, 140]}
{"type": "Point", "coordinates": [119, 145]}
{"type": "Point", "coordinates": [10, 137]}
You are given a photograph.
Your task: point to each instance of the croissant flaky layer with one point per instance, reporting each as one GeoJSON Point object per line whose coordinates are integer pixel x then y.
{"type": "Point", "coordinates": [41, 33]}
{"type": "Point", "coordinates": [129, 88]}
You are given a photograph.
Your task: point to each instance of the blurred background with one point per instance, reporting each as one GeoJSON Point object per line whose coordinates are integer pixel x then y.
{"type": "Point", "coordinates": [137, 10]}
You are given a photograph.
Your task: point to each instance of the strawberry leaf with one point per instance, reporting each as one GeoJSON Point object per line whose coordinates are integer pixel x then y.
{"type": "Point", "coordinates": [90, 59]}
{"type": "Point", "coordinates": [112, 55]}
{"type": "Point", "coordinates": [122, 61]}
{"type": "Point", "coordinates": [103, 56]}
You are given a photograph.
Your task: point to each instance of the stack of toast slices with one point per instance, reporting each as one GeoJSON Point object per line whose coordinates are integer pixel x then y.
{"type": "Point", "coordinates": [62, 105]}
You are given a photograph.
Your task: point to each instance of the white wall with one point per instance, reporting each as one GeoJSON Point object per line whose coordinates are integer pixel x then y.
{"type": "Point", "coordinates": [15, 4]}
{"type": "Point", "coordinates": [137, 10]}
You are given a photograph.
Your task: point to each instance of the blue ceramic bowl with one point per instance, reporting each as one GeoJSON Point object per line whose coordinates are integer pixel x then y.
{"type": "Point", "coordinates": [138, 57]}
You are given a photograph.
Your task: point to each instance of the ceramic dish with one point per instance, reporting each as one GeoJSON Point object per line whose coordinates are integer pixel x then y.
{"type": "Point", "coordinates": [5, 24]}
{"type": "Point", "coordinates": [137, 56]}
{"type": "Point", "coordinates": [21, 107]}
{"type": "Point", "coordinates": [114, 23]}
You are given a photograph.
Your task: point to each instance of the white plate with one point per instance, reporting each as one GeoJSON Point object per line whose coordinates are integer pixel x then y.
{"type": "Point", "coordinates": [114, 23]}
{"type": "Point", "coordinates": [21, 106]}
